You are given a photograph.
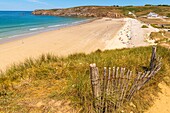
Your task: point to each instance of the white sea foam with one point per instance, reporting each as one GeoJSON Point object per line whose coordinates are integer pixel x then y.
{"type": "Point", "coordinates": [58, 25]}
{"type": "Point", "coordinates": [14, 36]}
{"type": "Point", "coordinates": [38, 28]}
{"type": "Point", "coordinates": [19, 35]}
{"type": "Point", "coordinates": [81, 21]}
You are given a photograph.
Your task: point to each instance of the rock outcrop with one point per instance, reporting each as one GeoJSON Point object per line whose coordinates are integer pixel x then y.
{"type": "Point", "coordinates": [84, 11]}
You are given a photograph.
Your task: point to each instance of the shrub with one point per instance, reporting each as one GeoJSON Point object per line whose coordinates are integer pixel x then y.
{"type": "Point", "coordinates": [148, 5]}
{"type": "Point", "coordinates": [168, 15]}
{"type": "Point", "coordinates": [144, 26]}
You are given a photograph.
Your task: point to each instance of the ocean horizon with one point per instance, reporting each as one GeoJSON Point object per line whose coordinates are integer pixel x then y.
{"type": "Point", "coordinates": [20, 23]}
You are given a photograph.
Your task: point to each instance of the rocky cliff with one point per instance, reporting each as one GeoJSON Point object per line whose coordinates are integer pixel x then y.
{"type": "Point", "coordinates": [84, 11]}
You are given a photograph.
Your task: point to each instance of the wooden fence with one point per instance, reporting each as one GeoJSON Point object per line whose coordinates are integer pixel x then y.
{"type": "Point", "coordinates": [117, 85]}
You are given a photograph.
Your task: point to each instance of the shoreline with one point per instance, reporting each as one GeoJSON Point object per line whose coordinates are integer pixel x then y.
{"type": "Point", "coordinates": [29, 34]}
{"type": "Point", "coordinates": [86, 37]}
{"type": "Point", "coordinates": [83, 38]}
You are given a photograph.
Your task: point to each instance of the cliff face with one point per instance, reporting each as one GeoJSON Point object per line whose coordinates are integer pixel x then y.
{"type": "Point", "coordinates": [86, 11]}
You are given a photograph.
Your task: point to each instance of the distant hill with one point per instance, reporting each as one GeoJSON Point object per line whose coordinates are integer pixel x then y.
{"type": "Point", "coordinates": [83, 11]}
{"type": "Point", "coordinates": [105, 11]}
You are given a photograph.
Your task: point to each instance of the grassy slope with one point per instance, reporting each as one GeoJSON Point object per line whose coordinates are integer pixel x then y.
{"type": "Point", "coordinates": [154, 22]}
{"type": "Point", "coordinates": [50, 79]}
{"type": "Point", "coordinates": [161, 37]}
{"type": "Point", "coordinates": [144, 10]}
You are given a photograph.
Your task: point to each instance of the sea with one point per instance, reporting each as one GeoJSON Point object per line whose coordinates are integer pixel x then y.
{"type": "Point", "coordinates": [22, 23]}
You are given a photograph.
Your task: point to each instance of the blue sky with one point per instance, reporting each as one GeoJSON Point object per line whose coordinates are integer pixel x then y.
{"type": "Point", "coordinates": [48, 4]}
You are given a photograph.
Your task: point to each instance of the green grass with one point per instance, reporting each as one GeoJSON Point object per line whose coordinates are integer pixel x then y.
{"type": "Point", "coordinates": [144, 10]}
{"type": "Point", "coordinates": [144, 26]}
{"type": "Point", "coordinates": [159, 38]}
{"type": "Point", "coordinates": [168, 15]}
{"type": "Point", "coordinates": [50, 78]}
{"type": "Point", "coordinates": [161, 27]}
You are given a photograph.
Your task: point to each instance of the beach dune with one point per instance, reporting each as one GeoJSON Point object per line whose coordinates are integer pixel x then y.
{"type": "Point", "coordinates": [84, 38]}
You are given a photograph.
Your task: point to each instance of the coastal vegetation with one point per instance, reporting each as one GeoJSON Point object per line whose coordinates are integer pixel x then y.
{"type": "Point", "coordinates": [144, 26]}
{"type": "Point", "coordinates": [106, 11]}
{"type": "Point", "coordinates": [51, 83]}
{"type": "Point", "coordinates": [161, 37]}
{"type": "Point", "coordinates": [166, 26]}
{"type": "Point", "coordinates": [156, 21]}
{"type": "Point", "coordinates": [168, 15]}
{"type": "Point", "coordinates": [132, 79]}
{"type": "Point", "coordinates": [83, 11]}
{"type": "Point", "coordinates": [144, 10]}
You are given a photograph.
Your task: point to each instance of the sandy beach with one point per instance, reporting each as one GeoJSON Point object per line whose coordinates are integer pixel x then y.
{"type": "Point", "coordinates": [85, 38]}
{"type": "Point", "coordinates": [103, 34]}
{"type": "Point", "coordinates": [100, 34]}
{"type": "Point", "coordinates": [130, 35]}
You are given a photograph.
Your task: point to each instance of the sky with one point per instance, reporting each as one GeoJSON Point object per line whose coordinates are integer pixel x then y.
{"type": "Point", "coordinates": [30, 5]}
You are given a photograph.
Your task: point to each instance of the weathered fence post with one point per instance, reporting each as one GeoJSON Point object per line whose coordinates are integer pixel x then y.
{"type": "Point", "coordinates": [104, 90]}
{"type": "Point", "coordinates": [153, 58]}
{"type": "Point", "coordinates": [95, 82]}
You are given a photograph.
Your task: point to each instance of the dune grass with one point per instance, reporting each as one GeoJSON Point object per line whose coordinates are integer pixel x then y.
{"type": "Point", "coordinates": [33, 85]}
{"type": "Point", "coordinates": [160, 37]}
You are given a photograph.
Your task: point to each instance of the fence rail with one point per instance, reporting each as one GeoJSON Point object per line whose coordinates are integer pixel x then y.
{"type": "Point", "coordinates": [117, 85]}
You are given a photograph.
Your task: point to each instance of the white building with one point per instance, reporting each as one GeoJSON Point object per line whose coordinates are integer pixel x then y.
{"type": "Point", "coordinates": [152, 15]}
